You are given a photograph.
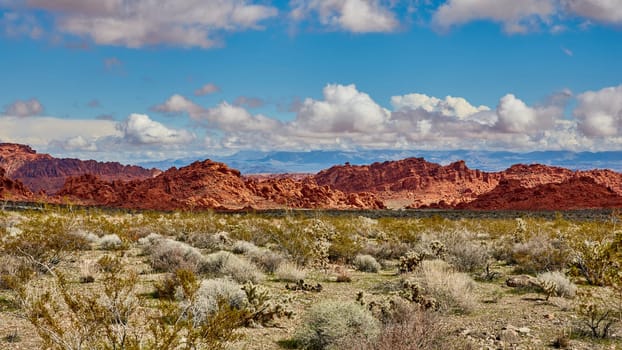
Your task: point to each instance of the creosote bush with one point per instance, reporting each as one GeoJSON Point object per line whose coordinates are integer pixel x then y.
{"type": "Point", "coordinates": [334, 324]}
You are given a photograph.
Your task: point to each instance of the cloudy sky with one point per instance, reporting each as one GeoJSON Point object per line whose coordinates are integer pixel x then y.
{"type": "Point", "coordinates": [133, 80]}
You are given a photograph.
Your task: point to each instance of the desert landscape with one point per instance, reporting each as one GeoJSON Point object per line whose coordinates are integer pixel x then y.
{"type": "Point", "coordinates": [205, 257]}
{"type": "Point", "coordinates": [310, 174]}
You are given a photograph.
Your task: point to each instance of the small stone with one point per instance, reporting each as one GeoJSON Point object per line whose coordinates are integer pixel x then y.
{"type": "Point", "coordinates": [523, 330]}
{"type": "Point", "coordinates": [549, 316]}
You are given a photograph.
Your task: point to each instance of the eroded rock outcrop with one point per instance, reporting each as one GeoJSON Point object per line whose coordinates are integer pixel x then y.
{"type": "Point", "coordinates": [44, 172]}
{"type": "Point", "coordinates": [209, 184]}
{"type": "Point", "coordinates": [412, 181]}
{"type": "Point", "coordinates": [13, 190]}
{"type": "Point", "coordinates": [577, 192]}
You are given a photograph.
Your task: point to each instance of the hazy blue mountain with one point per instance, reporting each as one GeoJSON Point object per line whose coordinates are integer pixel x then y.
{"type": "Point", "coordinates": [254, 162]}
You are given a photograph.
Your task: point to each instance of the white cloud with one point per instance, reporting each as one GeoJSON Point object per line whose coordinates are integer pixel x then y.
{"type": "Point", "coordinates": [358, 16]}
{"type": "Point", "coordinates": [605, 11]}
{"type": "Point", "coordinates": [206, 90]}
{"type": "Point", "coordinates": [78, 143]}
{"type": "Point", "coordinates": [138, 23]}
{"type": "Point", "coordinates": [516, 16]}
{"type": "Point", "coordinates": [178, 104]}
{"type": "Point", "coordinates": [235, 119]}
{"type": "Point", "coordinates": [599, 113]}
{"type": "Point", "coordinates": [41, 131]}
{"type": "Point", "coordinates": [450, 106]}
{"type": "Point", "coordinates": [140, 129]}
{"type": "Point", "coordinates": [343, 110]}
{"type": "Point", "coordinates": [25, 108]}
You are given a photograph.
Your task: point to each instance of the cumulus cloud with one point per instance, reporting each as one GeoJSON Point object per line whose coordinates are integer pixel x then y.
{"type": "Point", "coordinates": [514, 116]}
{"type": "Point", "coordinates": [358, 16]}
{"type": "Point", "coordinates": [77, 143]}
{"type": "Point", "coordinates": [139, 23]}
{"type": "Point", "coordinates": [516, 16]}
{"type": "Point", "coordinates": [344, 109]}
{"type": "Point", "coordinates": [140, 129]}
{"type": "Point", "coordinates": [24, 108]}
{"type": "Point", "coordinates": [178, 104]}
{"type": "Point", "coordinates": [232, 118]}
{"type": "Point", "coordinates": [206, 90]}
{"type": "Point", "coordinates": [449, 106]}
{"type": "Point", "coordinates": [599, 113]}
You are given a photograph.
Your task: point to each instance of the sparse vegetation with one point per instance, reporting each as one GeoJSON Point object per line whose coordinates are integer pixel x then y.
{"type": "Point", "coordinates": [198, 281]}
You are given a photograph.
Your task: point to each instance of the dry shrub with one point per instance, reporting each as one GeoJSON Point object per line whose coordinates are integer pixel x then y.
{"type": "Point", "coordinates": [290, 272]}
{"type": "Point", "coordinates": [452, 290]}
{"type": "Point", "coordinates": [210, 294]}
{"type": "Point", "coordinates": [540, 253]}
{"type": "Point", "coordinates": [110, 242]}
{"type": "Point", "coordinates": [366, 263]}
{"type": "Point", "coordinates": [223, 263]}
{"type": "Point", "coordinates": [386, 250]}
{"type": "Point", "coordinates": [44, 241]}
{"type": "Point", "coordinates": [563, 286]}
{"type": "Point", "coordinates": [167, 255]}
{"type": "Point", "coordinates": [334, 324]}
{"type": "Point", "coordinates": [464, 251]}
{"type": "Point", "coordinates": [211, 241]}
{"type": "Point", "coordinates": [416, 329]}
{"type": "Point", "coordinates": [266, 259]}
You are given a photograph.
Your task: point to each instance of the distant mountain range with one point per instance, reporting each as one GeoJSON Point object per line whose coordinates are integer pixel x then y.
{"type": "Point", "coordinates": [255, 162]}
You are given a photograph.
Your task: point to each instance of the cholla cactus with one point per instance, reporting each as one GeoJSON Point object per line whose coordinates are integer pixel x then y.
{"type": "Point", "coordinates": [548, 287]}
{"type": "Point", "coordinates": [438, 249]}
{"type": "Point", "coordinates": [260, 306]}
{"type": "Point", "coordinates": [410, 261]}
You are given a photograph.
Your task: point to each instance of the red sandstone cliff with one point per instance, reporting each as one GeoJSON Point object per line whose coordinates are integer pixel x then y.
{"type": "Point", "coordinates": [209, 184]}
{"type": "Point", "coordinates": [412, 181]}
{"type": "Point", "coordinates": [44, 172]}
{"type": "Point", "coordinates": [578, 192]}
{"type": "Point", "coordinates": [13, 190]}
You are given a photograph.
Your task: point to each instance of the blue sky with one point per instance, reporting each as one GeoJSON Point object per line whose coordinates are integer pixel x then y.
{"type": "Point", "coordinates": [133, 80]}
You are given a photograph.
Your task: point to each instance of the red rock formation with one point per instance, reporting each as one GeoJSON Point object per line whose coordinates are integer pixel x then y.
{"type": "Point", "coordinates": [13, 190]}
{"type": "Point", "coordinates": [411, 181]}
{"type": "Point", "coordinates": [44, 172]}
{"type": "Point", "coordinates": [209, 184]}
{"type": "Point", "coordinates": [578, 192]}
{"type": "Point", "coordinates": [306, 193]}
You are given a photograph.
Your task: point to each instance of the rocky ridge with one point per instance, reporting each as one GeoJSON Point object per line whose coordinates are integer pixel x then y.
{"type": "Point", "coordinates": [209, 184]}
{"type": "Point", "coordinates": [42, 172]}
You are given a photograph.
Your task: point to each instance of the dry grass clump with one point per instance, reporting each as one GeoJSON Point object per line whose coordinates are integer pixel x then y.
{"type": "Point", "coordinates": [334, 324]}
{"type": "Point", "coordinates": [224, 263]}
{"type": "Point", "coordinates": [167, 255]}
{"type": "Point", "coordinates": [452, 290]}
{"type": "Point", "coordinates": [563, 286]}
{"type": "Point", "coordinates": [366, 263]}
{"type": "Point", "coordinates": [290, 272]}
